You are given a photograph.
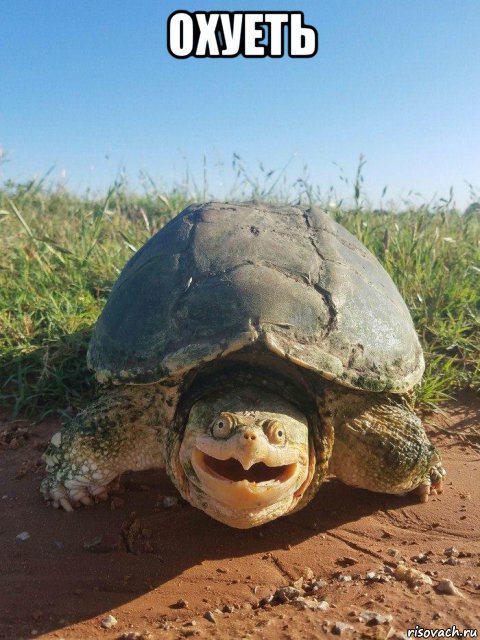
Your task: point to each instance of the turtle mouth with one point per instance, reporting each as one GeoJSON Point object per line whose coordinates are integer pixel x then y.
{"type": "Point", "coordinates": [231, 470]}
{"type": "Point", "coordinates": [225, 485]}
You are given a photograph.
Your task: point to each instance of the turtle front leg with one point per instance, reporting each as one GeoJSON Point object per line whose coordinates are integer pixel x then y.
{"type": "Point", "coordinates": [381, 445]}
{"type": "Point", "coordinates": [124, 430]}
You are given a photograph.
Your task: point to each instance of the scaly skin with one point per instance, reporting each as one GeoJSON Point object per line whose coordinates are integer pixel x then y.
{"type": "Point", "coordinates": [123, 430]}
{"type": "Point", "coordinates": [381, 445]}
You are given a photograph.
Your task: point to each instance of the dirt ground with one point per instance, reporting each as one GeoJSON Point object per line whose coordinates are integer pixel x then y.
{"type": "Point", "coordinates": [159, 567]}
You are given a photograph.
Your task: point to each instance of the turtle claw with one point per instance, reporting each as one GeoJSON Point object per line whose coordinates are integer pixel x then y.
{"type": "Point", "coordinates": [65, 504]}
{"type": "Point", "coordinates": [434, 485]}
{"type": "Point", "coordinates": [437, 487]}
{"type": "Point", "coordinates": [423, 491]}
{"type": "Point", "coordinates": [70, 498]}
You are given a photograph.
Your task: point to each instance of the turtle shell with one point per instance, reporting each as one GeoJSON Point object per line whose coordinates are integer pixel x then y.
{"type": "Point", "coordinates": [219, 277]}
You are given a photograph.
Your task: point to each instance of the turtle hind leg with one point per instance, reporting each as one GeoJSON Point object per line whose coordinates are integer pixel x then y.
{"type": "Point", "coordinates": [124, 430]}
{"type": "Point", "coordinates": [381, 445]}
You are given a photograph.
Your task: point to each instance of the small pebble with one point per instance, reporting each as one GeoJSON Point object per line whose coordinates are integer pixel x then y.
{"type": "Point", "coordinates": [308, 573]}
{"type": "Point", "coordinates": [284, 594]}
{"type": "Point", "coordinates": [266, 601]}
{"type": "Point", "coordinates": [420, 558]}
{"type": "Point", "coordinates": [169, 501]}
{"type": "Point", "coordinates": [319, 584]}
{"type": "Point", "coordinates": [23, 536]}
{"type": "Point", "coordinates": [447, 587]}
{"type": "Point", "coordinates": [452, 561]}
{"type": "Point", "coordinates": [228, 608]}
{"type": "Point", "coordinates": [109, 622]}
{"type": "Point", "coordinates": [208, 615]}
{"type": "Point", "coordinates": [104, 543]}
{"type": "Point", "coordinates": [179, 604]}
{"type": "Point", "coordinates": [413, 577]}
{"type": "Point", "coordinates": [298, 584]}
{"type": "Point", "coordinates": [344, 578]}
{"type": "Point", "coordinates": [380, 578]}
{"type": "Point", "coordinates": [311, 604]}
{"type": "Point", "coordinates": [451, 551]}
{"type": "Point", "coordinates": [340, 627]}
{"type": "Point", "coordinates": [373, 618]}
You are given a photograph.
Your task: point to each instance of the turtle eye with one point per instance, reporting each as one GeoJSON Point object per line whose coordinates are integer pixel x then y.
{"type": "Point", "coordinates": [275, 431]}
{"type": "Point", "coordinates": [222, 427]}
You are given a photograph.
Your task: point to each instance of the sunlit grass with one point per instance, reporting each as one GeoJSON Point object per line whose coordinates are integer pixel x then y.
{"type": "Point", "coordinates": [60, 254]}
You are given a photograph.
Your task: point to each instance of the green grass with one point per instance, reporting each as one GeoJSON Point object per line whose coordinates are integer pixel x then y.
{"type": "Point", "coordinates": [60, 254]}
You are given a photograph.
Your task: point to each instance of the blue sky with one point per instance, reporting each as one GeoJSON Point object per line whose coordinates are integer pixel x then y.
{"type": "Point", "coordinates": [89, 87]}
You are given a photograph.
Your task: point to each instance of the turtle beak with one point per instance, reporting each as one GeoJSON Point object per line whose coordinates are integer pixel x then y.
{"type": "Point", "coordinates": [250, 448]}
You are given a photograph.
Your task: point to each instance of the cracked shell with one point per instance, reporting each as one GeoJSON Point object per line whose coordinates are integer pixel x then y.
{"type": "Point", "coordinates": [219, 277]}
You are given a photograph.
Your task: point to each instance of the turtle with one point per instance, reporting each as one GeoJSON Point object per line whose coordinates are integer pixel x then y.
{"type": "Point", "coordinates": [251, 350]}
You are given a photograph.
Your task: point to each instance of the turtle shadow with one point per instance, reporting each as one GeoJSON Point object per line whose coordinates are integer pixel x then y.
{"type": "Point", "coordinates": [98, 559]}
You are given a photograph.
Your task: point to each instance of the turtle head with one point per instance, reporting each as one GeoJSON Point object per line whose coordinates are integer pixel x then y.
{"type": "Point", "coordinates": [246, 457]}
